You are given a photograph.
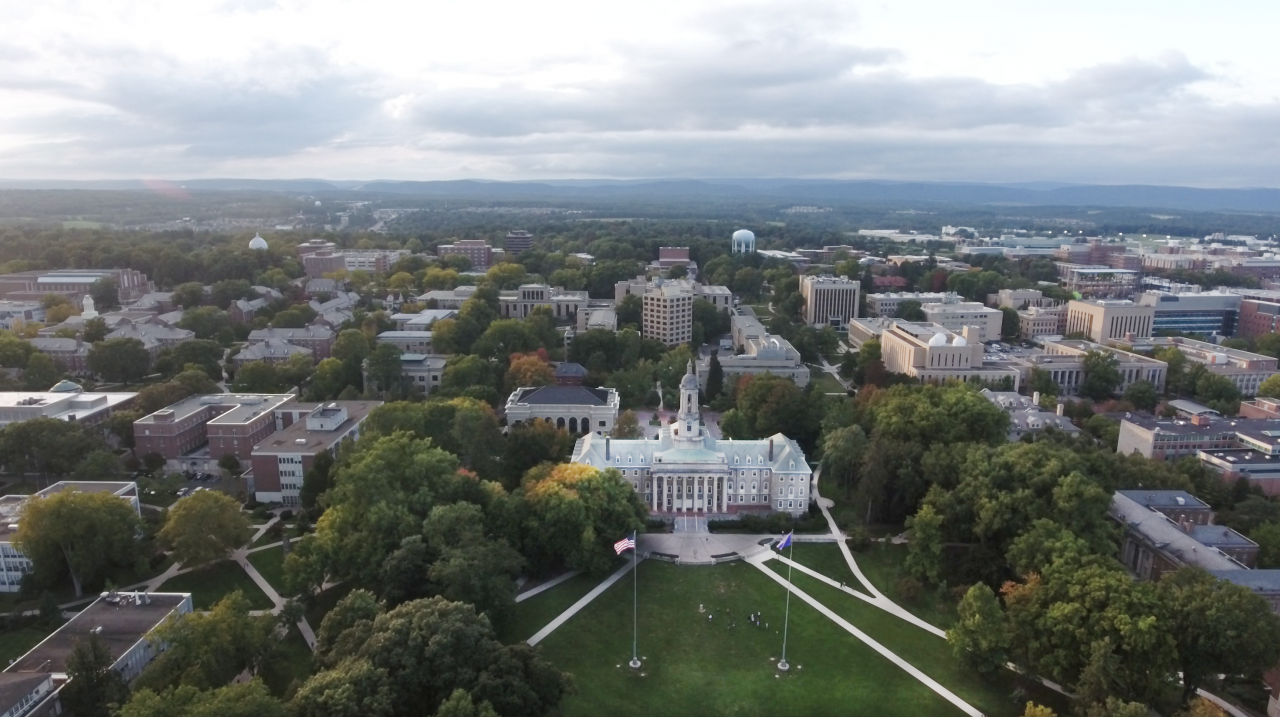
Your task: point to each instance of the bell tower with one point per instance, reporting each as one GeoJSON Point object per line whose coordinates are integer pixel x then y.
{"type": "Point", "coordinates": [689, 419]}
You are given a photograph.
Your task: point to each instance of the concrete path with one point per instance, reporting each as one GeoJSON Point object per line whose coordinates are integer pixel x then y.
{"type": "Point", "coordinates": [910, 669]}
{"type": "Point", "coordinates": [541, 587]}
{"type": "Point", "coordinates": [563, 617]}
{"type": "Point", "coordinates": [697, 548]}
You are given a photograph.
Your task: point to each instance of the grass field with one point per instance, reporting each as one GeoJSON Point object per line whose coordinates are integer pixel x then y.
{"type": "Point", "coordinates": [696, 664]}
{"type": "Point", "coordinates": [1002, 694]}
{"type": "Point", "coordinates": [271, 564]}
{"type": "Point", "coordinates": [824, 382]}
{"type": "Point", "coordinates": [291, 661]}
{"type": "Point", "coordinates": [533, 614]}
{"type": "Point", "coordinates": [209, 585]}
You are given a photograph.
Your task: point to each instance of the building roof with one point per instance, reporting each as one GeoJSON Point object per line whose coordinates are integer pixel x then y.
{"type": "Point", "coordinates": [1220, 536]}
{"type": "Point", "coordinates": [301, 437]}
{"type": "Point", "coordinates": [14, 686]}
{"type": "Point", "coordinates": [1163, 533]}
{"type": "Point", "coordinates": [119, 624]}
{"type": "Point", "coordinates": [568, 369]}
{"type": "Point", "coordinates": [1263, 581]}
{"type": "Point", "coordinates": [563, 396]}
{"type": "Point", "coordinates": [1164, 499]}
{"type": "Point", "coordinates": [231, 408]}
{"type": "Point", "coordinates": [270, 349]}
{"type": "Point", "coordinates": [1193, 408]}
{"type": "Point", "coordinates": [314, 331]}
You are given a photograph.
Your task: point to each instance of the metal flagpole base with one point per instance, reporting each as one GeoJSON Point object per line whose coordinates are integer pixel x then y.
{"type": "Point", "coordinates": [635, 663]}
{"type": "Point", "coordinates": [783, 665]}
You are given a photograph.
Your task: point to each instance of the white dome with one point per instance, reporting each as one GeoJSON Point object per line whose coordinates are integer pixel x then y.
{"type": "Point", "coordinates": [317, 202]}
{"type": "Point", "coordinates": [257, 242]}
{"type": "Point", "coordinates": [960, 341]}
{"type": "Point", "coordinates": [744, 235]}
{"type": "Point", "coordinates": [938, 340]}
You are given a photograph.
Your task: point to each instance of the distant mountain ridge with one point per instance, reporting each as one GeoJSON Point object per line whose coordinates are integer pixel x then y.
{"type": "Point", "coordinates": [801, 191]}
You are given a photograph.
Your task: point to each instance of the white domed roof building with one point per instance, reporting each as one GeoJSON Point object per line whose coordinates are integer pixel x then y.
{"type": "Point", "coordinates": [744, 242]}
{"type": "Point", "coordinates": [686, 471]}
{"type": "Point", "coordinates": [257, 243]}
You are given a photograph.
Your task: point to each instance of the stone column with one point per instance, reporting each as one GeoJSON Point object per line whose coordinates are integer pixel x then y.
{"type": "Point", "coordinates": [724, 495]}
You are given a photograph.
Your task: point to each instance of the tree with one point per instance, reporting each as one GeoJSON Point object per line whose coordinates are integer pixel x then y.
{"type": "Point", "coordinates": [98, 465]}
{"type": "Point", "coordinates": [206, 322]}
{"type": "Point", "coordinates": [980, 637]}
{"type": "Point", "coordinates": [119, 360]}
{"type": "Point", "coordinates": [715, 379]}
{"type": "Point", "coordinates": [1143, 395]}
{"type": "Point", "coordinates": [1101, 375]}
{"type": "Point", "coordinates": [1219, 393]}
{"type": "Point", "coordinates": [207, 650]}
{"type": "Point", "coordinates": [1271, 387]}
{"type": "Point", "coordinates": [199, 352]}
{"type": "Point", "coordinates": [295, 371]}
{"type": "Point", "coordinates": [93, 687]}
{"type": "Point", "coordinates": [472, 567]}
{"type": "Point", "coordinates": [246, 699]}
{"type": "Point", "coordinates": [627, 426]}
{"type": "Point", "coordinates": [910, 310]}
{"type": "Point", "coordinates": [572, 512]}
{"type": "Point", "coordinates": [1010, 324]}
{"type": "Point", "coordinates": [1267, 536]}
{"type": "Point", "coordinates": [327, 382]}
{"type": "Point", "coordinates": [412, 658]}
{"type": "Point", "coordinates": [529, 370]}
{"type": "Point", "coordinates": [83, 534]}
{"type": "Point", "coordinates": [47, 446]}
{"type": "Point", "coordinates": [1218, 626]}
{"type": "Point", "coordinates": [258, 377]}
{"type": "Point", "coordinates": [105, 293]}
{"type": "Point", "coordinates": [628, 311]}
{"type": "Point", "coordinates": [95, 330]}
{"type": "Point", "coordinates": [843, 450]}
{"type": "Point", "coordinates": [203, 527]}
{"type": "Point", "coordinates": [1035, 710]}
{"type": "Point", "coordinates": [460, 704]}
{"type": "Point", "coordinates": [189, 295]}
{"type": "Point", "coordinates": [316, 480]}
{"type": "Point", "coordinates": [41, 372]}
{"type": "Point", "coordinates": [505, 337]}
{"type": "Point", "coordinates": [924, 550]}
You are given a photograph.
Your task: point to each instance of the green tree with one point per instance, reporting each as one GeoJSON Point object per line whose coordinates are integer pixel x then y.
{"type": "Point", "coordinates": [316, 480]}
{"type": "Point", "coordinates": [627, 426]}
{"type": "Point", "coordinates": [189, 295]}
{"type": "Point", "coordinates": [119, 360]}
{"type": "Point", "coordinates": [1010, 324]}
{"type": "Point", "coordinates": [1271, 387]}
{"type": "Point", "coordinates": [199, 352]}
{"type": "Point", "coordinates": [207, 650]}
{"type": "Point", "coordinates": [460, 704]}
{"type": "Point", "coordinates": [258, 377]}
{"type": "Point", "coordinates": [1143, 395]}
{"type": "Point", "coordinates": [533, 443]}
{"type": "Point", "coordinates": [628, 311]}
{"type": "Point", "coordinates": [1268, 344]}
{"type": "Point", "coordinates": [715, 379]}
{"type": "Point", "coordinates": [505, 337]}
{"type": "Point", "coordinates": [980, 637]}
{"type": "Point", "coordinates": [472, 567]}
{"type": "Point", "coordinates": [843, 451]}
{"type": "Point", "coordinates": [203, 527]}
{"type": "Point", "coordinates": [46, 446]}
{"type": "Point", "coordinates": [84, 534]}
{"type": "Point", "coordinates": [924, 550]}
{"type": "Point", "coordinates": [1101, 375]}
{"type": "Point", "coordinates": [205, 321]}
{"type": "Point", "coordinates": [95, 330]}
{"type": "Point", "coordinates": [1219, 627]}
{"type": "Point", "coordinates": [1219, 393]}
{"type": "Point", "coordinates": [105, 293]}
{"type": "Point", "coordinates": [93, 687]}
{"type": "Point", "coordinates": [910, 310]}
{"type": "Point", "coordinates": [572, 515]}
{"type": "Point", "coordinates": [41, 373]}
{"type": "Point", "coordinates": [97, 466]}
{"type": "Point", "coordinates": [246, 699]}
{"type": "Point", "coordinates": [327, 382]}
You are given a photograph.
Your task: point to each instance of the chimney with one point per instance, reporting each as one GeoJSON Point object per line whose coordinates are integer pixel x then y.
{"type": "Point", "coordinates": [1061, 407]}
{"type": "Point", "coordinates": [606, 448]}
{"type": "Point", "coordinates": [1035, 397]}
{"type": "Point", "coordinates": [770, 450]}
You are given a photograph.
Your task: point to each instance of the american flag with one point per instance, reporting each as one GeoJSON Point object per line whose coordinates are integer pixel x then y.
{"type": "Point", "coordinates": [627, 543]}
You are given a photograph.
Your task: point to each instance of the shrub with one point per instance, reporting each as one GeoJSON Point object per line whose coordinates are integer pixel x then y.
{"type": "Point", "coordinates": [909, 589]}
{"type": "Point", "coordinates": [859, 538]}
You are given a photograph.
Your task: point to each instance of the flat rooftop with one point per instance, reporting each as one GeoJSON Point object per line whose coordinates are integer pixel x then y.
{"type": "Point", "coordinates": [120, 625]}
{"type": "Point", "coordinates": [124, 489]}
{"type": "Point", "coordinates": [231, 407]}
{"type": "Point", "coordinates": [1164, 499]}
{"type": "Point", "coordinates": [297, 438]}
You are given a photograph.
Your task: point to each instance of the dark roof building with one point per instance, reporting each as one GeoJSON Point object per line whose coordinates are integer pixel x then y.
{"type": "Point", "coordinates": [574, 407]}
{"type": "Point", "coordinates": [570, 374]}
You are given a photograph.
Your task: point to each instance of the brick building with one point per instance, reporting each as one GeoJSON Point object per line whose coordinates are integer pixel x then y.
{"type": "Point", "coordinates": [73, 283]}
{"type": "Point", "coordinates": [280, 460]}
{"type": "Point", "coordinates": [72, 355]}
{"type": "Point", "coordinates": [477, 250]}
{"type": "Point", "coordinates": [196, 431]}
{"type": "Point", "coordinates": [318, 338]}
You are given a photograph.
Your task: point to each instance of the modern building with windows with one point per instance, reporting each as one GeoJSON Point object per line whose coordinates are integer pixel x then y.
{"type": "Point", "coordinates": [686, 471]}
{"type": "Point", "coordinates": [933, 354]}
{"type": "Point", "coordinates": [282, 458]}
{"type": "Point", "coordinates": [829, 300]}
{"type": "Point", "coordinates": [954, 315]}
{"type": "Point", "coordinates": [575, 408]}
{"type": "Point", "coordinates": [667, 313]}
{"type": "Point", "coordinates": [1206, 312]}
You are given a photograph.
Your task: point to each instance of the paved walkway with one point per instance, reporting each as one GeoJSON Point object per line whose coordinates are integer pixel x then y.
{"type": "Point", "coordinates": [688, 548]}
{"type": "Point", "coordinates": [541, 587]}
{"type": "Point", "coordinates": [563, 617]}
{"type": "Point", "coordinates": [948, 695]}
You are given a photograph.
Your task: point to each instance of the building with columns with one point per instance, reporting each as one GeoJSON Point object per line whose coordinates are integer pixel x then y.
{"type": "Point", "coordinates": [686, 471]}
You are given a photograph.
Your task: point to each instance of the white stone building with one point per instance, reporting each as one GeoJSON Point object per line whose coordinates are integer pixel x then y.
{"type": "Point", "coordinates": [577, 409]}
{"type": "Point", "coordinates": [829, 300]}
{"type": "Point", "coordinates": [687, 471]}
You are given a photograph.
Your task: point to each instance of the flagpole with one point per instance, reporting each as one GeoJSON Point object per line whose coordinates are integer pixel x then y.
{"type": "Point", "coordinates": [635, 602]}
{"type": "Point", "coordinates": [786, 620]}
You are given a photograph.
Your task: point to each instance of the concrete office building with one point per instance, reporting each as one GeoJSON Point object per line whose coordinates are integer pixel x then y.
{"type": "Point", "coordinates": [1042, 321]}
{"type": "Point", "coordinates": [15, 312]}
{"type": "Point", "coordinates": [31, 686]}
{"type": "Point", "coordinates": [1099, 282]}
{"type": "Point", "coordinates": [1064, 360]}
{"type": "Point", "coordinates": [517, 241]}
{"type": "Point", "coordinates": [409, 342]}
{"type": "Point", "coordinates": [762, 352]}
{"type": "Point", "coordinates": [86, 409]}
{"type": "Point", "coordinates": [576, 408]}
{"type": "Point", "coordinates": [933, 354]}
{"type": "Point", "coordinates": [887, 304]}
{"type": "Point", "coordinates": [447, 298]}
{"type": "Point", "coordinates": [482, 255]}
{"type": "Point", "coordinates": [282, 458]}
{"type": "Point", "coordinates": [1247, 370]}
{"type": "Point", "coordinates": [520, 302]}
{"type": "Point", "coordinates": [1206, 312]}
{"type": "Point", "coordinates": [422, 320]}
{"type": "Point", "coordinates": [686, 471]}
{"type": "Point", "coordinates": [670, 257]}
{"type": "Point", "coordinates": [597, 319]}
{"type": "Point", "coordinates": [1109, 320]}
{"type": "Point", "coordinates": [1026, 416]}
{"type": "Point", "coordinates": [667, 313]}
{"type": "Point", "coordinates": [718, 296]}
{"type": "Point", "coordinates": [829, 300]}
{"type": "Point", "coordinates": [955, 315]}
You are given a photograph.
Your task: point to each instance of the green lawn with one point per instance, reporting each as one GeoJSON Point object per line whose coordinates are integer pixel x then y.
{"type": "Point", "coordinates": [533, 614]}
{"type": "Point", "coordinates": [16, 643]}
{"type": "Point", "coordinates": [882, 564]}
{"type": "Point", "coordinates": [824, 382]}
{"type": "Point", "coordinates": [209, 585]}
{"type": "Point", "coordinates": [994, 694]}
{"type": "Point", "coordinates": [271, 564]}
{"type": "Point", "coordinates": [696, 664]}
{"type": "Point", "coordinates": [291, 661]}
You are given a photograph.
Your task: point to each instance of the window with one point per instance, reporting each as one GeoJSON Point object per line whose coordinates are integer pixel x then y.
{"type": "Point", "coordinates": [602, 424]}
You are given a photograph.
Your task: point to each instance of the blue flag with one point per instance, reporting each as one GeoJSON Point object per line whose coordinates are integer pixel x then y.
{"type": "Point", "coordinates": [786, 542]}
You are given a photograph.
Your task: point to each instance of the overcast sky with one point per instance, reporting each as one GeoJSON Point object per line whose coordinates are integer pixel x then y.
{"type": "Point", "coordinates": [1128, 91]}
